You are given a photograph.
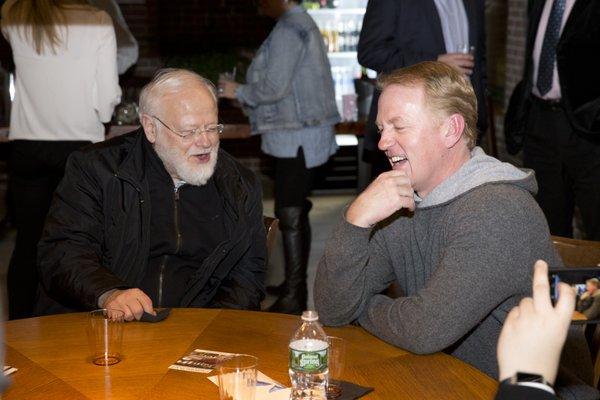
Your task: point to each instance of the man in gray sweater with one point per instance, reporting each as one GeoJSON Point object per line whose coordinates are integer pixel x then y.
{"type": "Point", "coordinates": [457, 230]}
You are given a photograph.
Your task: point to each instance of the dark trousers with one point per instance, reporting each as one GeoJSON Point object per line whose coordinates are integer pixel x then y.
{"type": "Point", "coordinates": [567, 168]}
{"type": "Point", "coordinates": [293, 181]}
{"type": "Point", "coordinates": [35, 170]}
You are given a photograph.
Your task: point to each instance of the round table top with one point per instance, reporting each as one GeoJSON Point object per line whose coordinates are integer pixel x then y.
{"type": "Point", "coordinates": [53, 359]}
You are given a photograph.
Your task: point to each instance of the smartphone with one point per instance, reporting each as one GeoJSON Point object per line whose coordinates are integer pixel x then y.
{"type": "Point", "coordinates": [578, 279]}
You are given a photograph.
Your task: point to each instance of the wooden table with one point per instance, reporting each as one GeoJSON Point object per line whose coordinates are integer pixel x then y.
{"type": "Point", "coordinates": [52, 356]}
{"type": "Point", "coordinates": [579, 316]}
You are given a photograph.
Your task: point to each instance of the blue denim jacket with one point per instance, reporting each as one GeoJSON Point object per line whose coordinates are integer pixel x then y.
{"type": "Point", "coordinates": [289, 83]}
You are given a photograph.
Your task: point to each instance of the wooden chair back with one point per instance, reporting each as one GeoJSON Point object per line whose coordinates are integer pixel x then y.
{"type": "Point", "coordinates": [576, 252]}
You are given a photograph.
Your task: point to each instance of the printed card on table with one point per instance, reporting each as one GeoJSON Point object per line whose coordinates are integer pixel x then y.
{"type": "Point", "coordinates": [203, 361]}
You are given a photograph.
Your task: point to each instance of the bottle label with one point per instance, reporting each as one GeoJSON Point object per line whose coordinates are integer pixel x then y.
{"type": "Point", "coordinates": [308, 361]}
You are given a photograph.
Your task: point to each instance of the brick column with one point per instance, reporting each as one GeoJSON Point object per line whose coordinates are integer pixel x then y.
{"type": "Point", "coordinates": [516, 32]}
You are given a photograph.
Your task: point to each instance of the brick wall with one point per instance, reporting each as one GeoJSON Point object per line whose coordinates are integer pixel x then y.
{"type": "Point", "coordinates": [515, 43]}
{"type": "Point", "coordinates": [515, 59]}
{"type": "Point", "coordinates": [495, 16]}
{"type": "Point", "coordinates": [142, 18]}
{"type": "Point", "coordinates": [167, 28]}
{"type": "Point", "coordinates": [199, 25]}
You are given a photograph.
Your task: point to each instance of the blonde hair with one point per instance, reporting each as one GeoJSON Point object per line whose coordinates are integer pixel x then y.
{"type": "Point", "coordinates": [38, 20]}
{"type": "Point", "coordinates": [170, 80]}
{"type": "Point", "coordinates": [447, 91]}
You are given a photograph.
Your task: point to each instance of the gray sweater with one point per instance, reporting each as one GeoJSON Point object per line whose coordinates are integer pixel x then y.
{"type": "Point", "coordinates": [462, 261]}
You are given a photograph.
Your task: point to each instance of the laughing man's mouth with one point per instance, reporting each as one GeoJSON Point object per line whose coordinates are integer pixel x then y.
{"type": "Point", "coordinates": [397, 159]}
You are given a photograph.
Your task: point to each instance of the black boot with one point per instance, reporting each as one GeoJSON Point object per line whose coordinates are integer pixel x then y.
{"type": "Point", "coordinates": [281, 289]}
{"type": "Point", "coordinates": [306, 232]}
{"type": "Point", "coordinates": [292, 223]}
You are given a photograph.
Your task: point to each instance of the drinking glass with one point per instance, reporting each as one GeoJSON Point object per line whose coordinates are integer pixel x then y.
{"type": "Point", "coordinates": [105, 336]}
{"type": "Point", "coordinates": [237, 378]}
{"type": "Point", "coordinates": [226, 77]}
{"type": "Point", "coordinates": [336, 365]}
{"type": "Point", "coordinates": [465, 48]}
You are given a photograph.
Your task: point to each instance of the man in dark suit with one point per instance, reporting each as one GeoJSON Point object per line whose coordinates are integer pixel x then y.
{"type": "Point", "coordinates": [400, 33]}
{"type": "Point", "coordinates": [554, 113]}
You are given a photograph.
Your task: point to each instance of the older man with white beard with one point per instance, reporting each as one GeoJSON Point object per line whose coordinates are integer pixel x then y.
{"type": "Point", "coordinates": [157, 218]}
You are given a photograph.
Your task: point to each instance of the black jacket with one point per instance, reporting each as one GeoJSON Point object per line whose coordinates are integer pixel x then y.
{"type": "Point", "coordinates": [577, 60]}
{"type": "Point", "coordinates": [401, 33]}
{"type": "Point", "coordinates": [96, 233]}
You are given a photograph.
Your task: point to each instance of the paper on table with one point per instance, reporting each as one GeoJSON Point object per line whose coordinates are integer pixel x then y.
{"type": "Point", "coordinates": [201, 360]}
{"type": "Point", "coordinates": [9, 370]}
{"type": "Point", "coordinates": [266, 388]}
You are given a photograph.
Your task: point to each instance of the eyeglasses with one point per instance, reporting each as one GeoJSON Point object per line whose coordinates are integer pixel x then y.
{"type": "Point", "coordinates": [209, 129]}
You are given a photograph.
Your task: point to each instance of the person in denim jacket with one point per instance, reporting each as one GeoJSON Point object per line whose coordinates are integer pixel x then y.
{"type": "Point", "coordinates": [290, 100]}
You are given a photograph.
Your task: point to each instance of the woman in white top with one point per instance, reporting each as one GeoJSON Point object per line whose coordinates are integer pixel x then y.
{"type": "Point", "coordinates": [66, 88]}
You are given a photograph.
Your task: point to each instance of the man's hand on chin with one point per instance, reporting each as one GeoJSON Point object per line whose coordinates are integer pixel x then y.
{"type": "Point", "coordinates": [133, 303]}
{"type": "Point", "coordinates": [388, 193]}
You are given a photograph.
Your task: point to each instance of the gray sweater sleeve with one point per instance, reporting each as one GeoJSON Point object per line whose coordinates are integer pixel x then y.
{"type": "Point", "coordinates": [489, 246]}
{"type": "Point", "coordinates": [352, 269]}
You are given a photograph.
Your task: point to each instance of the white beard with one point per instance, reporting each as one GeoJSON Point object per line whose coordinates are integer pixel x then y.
{"type": "Point", "coordinates": [180, 166]}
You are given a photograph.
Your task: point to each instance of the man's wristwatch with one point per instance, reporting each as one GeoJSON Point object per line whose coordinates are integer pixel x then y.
{"type": "Point", "coordinates": [531, 380]}
{"type": "Point", "coordinates": [525, 377]}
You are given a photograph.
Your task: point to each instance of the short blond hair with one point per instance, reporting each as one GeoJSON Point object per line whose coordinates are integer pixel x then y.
{"type": "Point", "coordinates": [447, 91]}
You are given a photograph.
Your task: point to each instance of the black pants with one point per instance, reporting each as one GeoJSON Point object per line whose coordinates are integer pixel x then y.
{"type": "Point", "coordinates": [567, 168]}
{"type": "Point", "coordinates": [35, 170]}
{"type": "Point", "coordinates": [293, 181]}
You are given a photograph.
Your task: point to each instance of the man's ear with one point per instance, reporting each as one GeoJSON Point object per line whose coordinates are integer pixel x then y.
{"type": "Point", "coordinates": [149, 127]}
{"type": "Point", "coordinates": [454, 128]}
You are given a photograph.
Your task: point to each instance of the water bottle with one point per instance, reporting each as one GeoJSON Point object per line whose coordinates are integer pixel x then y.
{"type": "Point", "coordinates": [308, 359]}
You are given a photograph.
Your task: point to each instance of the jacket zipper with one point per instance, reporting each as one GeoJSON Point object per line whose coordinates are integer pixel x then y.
{"type": "Point", "coordinates": [176, 216]}
{"type": "Point", "coordinates": [141, 201]}
{"type": "Point", "coordinates": [161, 276]}
{"type": "Point", "coordinates": [160, 280]}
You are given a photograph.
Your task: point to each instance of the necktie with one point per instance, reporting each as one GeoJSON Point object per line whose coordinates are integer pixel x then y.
{"type": "Point", "coordinates": [548, 54]}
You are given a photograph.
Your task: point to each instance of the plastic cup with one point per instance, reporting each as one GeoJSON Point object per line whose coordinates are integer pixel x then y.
{"type": "Point", "coordinates": [336, 364]}
{"type": "Point", "coordinates": [105, 336]}
{"type": "Point", "coordinates": [237, 378]}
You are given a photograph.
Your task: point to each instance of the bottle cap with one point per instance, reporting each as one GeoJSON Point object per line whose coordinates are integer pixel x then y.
{"type": "Point", "coordinates": [310, 315]}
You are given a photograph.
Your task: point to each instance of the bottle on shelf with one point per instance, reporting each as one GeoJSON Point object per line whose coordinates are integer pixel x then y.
{"type": "Point", "coordinates": [351, 37]}
{"type": "Point", "coordinates": [332, 35]}
{"type": "Point", "coordinates": [325, 34]}
{"type": "Point", "coordinates": [308, 369]}
{"type": "Point", "coordinates": [342, 37]}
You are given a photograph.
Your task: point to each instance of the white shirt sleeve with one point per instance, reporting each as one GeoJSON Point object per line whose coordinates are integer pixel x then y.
{"type": "Point", "coordinates": [106, 86]}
